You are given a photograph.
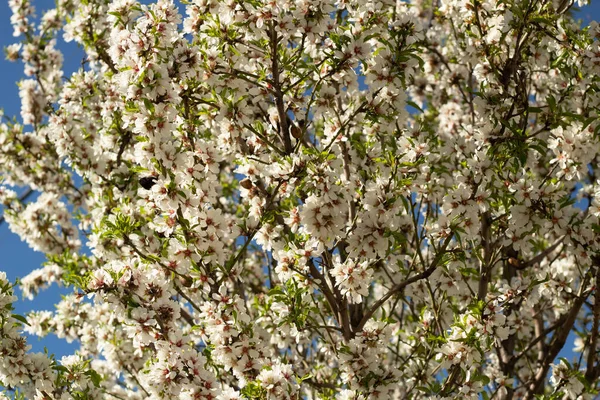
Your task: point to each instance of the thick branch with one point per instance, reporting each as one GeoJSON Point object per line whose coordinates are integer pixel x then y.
{"type": "Point", "coordinates": [558, 341]}
{"type": "Point", "coordinates": [540, 256]}
{"type": "Point", "coordinates": [486, 230]}
{"type": "Point", "coordinates": [322, 283]}
{"type": "Point", "coordinates": [591, 372]}
{"type": "Point", "coordinates": [400, 286]}
{"type": "Point", "coordinates": [541, 335]}
{"type": "Point", "coordinates": [283, 123]}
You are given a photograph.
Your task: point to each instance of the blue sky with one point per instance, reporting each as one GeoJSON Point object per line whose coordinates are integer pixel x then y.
{"type": "Point", "coordinates": [17, 259]}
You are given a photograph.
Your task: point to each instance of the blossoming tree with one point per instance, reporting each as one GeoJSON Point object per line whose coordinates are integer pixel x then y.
{"type": "Point", "coordinates": [307, 199]}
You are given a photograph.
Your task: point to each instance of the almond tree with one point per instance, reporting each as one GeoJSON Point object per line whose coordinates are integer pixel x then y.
{"type": "Point", "coordinates": [307, 200]}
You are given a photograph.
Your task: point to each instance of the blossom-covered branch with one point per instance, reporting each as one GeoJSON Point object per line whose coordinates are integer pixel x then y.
{"type": "Point", "coordinates": [307, 199]}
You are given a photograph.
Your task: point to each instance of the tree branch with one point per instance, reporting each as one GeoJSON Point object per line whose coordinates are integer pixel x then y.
{"type": "Point", "coordinates": [558, 341]}
{"type": "Point", "coordinates": [400, 286]}
{"type": "Point", "coordinates": [283, 123]}
{"type": "Point", "coordinates": [22, 198]}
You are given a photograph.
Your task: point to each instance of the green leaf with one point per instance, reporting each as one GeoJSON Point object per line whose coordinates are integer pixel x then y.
{"type": "Point", "coordinates": [60, 368]}
{"type": "Point", "coordinates": [21, 319]}
{"type": "Point", "coordinates": [149, 105]}
{"type": "Point", "coordinates": [414, 105]}
{"type": "Point", "coordinates": [94, 377]}
{"type": "Point", "coordinates": [305, 377]}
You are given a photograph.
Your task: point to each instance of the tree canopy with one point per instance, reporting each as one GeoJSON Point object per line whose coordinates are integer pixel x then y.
{"type": "Point", "coordinates": [306, 200]}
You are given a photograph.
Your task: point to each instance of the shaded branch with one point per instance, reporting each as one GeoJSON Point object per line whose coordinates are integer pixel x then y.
{"type": "Point", "coordinates": [400, 286]}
